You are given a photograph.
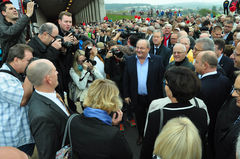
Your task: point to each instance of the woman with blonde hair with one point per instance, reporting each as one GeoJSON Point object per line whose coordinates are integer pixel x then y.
{"type": "Point", "coordinates": [179, 139]}
{"type": "Point", "coordinates": [92, 133]}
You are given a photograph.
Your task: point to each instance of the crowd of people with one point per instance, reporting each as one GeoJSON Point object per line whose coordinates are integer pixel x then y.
{"type": "Point", "coordinates": [174, 79]}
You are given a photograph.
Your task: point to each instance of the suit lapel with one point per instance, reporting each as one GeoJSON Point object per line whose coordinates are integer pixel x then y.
{"type": "Point", "coordinates": [150, 67]}
{"type": "Point", "coordinates": [52, 105]}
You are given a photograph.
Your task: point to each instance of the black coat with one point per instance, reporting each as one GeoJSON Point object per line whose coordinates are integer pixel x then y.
{"type": "Point", "coordinates": [93, 139]}
{"type": "Point", "coordinates": [197, 115]}
{"type": "Point", "coordinates": [154, 78]}
{"type": "Point", "coordinates": [227, 64]}
{"type": "Point", "coordinates": [184, 63]}
{"type": "Point", "coordinates": [47, 124]}
{"type": "Point", "coordinates": [164, 52]}
{"type": "Point", "coordinates": [229, 39]}
{"type": "Point", "coordinates": [214, 91]}
{"type": "Point", "coordinates": [226, 132]}
{"type": "Point", "coordinates": [53, 55]}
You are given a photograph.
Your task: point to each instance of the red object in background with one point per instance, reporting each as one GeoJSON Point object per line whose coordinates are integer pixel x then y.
{"type": "Point", "coordinates": [175, 12]}
{"type": "Point", "coordinates": [5, 0]}
{"type": "Point", "coordinates": [187, 21]}
{"type": "Point", "coordinates": [233, 8]}
{"type": "Point", "coordinates": [135, 16]}
{"type": "Point", "coordinates": [139, 17]}
{"type": "Point", "coordinates": [147, 19]}
{"type": "Point", "coordinates": [84, 24]}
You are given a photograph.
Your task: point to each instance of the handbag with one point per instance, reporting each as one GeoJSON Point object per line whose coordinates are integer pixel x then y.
{"type": "Point", "coordinates": [66, 151]}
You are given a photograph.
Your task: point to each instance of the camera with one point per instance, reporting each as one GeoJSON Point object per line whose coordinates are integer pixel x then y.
{"type": "Point", "coordinates": [65, 44]}
{"type": "Point", "coordinates": [117, 52]}
{"type": "Point", "coordinates": [128, 32]}
{"type": "Point", "coordinates": [87, 55]}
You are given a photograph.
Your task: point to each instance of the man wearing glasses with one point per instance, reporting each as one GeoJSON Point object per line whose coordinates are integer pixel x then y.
{"type": "Point", "coordinates": [228, 35]}
{"type": "Point", "coordinates": [47, 46]}
{"type": "Point", "coordinates": [180, 59]}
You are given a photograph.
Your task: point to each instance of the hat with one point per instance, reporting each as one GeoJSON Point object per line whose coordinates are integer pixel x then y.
{"type": "Point", "coordinates": [100, 45]}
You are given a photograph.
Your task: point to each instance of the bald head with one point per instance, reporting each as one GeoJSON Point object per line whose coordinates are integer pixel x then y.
{"type": "Point", "coordinates": [37, 70]}
{"type": "Point", "coordinates": [182, 33]}
{"type": "Point", "coordinates": [47, 27]}
{"type": "Point", "coordinates": [12, 153]}
{"type": "Point", "coordinates": [204, 35]}
{"type": "Point", "coordinates": [209, 57]}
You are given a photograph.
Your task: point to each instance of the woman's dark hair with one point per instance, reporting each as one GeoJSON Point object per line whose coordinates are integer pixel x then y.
{"type": "Point", "coordinates": [183, 83]}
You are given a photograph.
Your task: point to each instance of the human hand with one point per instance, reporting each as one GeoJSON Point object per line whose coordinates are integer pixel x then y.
{"type": "Point", "coordinates": [119, 114]}
{"type": "Point", "coordinates": [127, 100]}
{"type": "Point", "coordinates": [57, 44]}
{"type": "Point", "coordinates": [30, 9]}
{"type": "Point", "coordinates": [109, 54]}
{"type": "Point", "coordinates": [68, 38]}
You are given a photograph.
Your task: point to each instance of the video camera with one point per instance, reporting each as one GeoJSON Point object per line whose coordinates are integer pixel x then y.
{"type": "Point", "coordinates": [128, 32]}
{"type": "Point", "coordinates": [87, 55]}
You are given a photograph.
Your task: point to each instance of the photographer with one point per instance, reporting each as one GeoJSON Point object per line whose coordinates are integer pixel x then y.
{"type": "Point", "coordinates": [83, 73]}
{"type": "Point", "coordinates": [47, 46]}
{"type": "Point", "coordinates": [12, 27]}
{"type": "Point", "coordinates": [70, 45]}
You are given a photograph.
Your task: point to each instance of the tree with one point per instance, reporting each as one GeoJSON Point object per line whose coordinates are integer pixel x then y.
{"type": "Point", "coordinates": [214, 8]}
{"type": "Point", "coordinates": [204, 12]}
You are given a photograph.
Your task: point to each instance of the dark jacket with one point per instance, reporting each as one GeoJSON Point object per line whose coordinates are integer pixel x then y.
{"type": "Point", "coordinates": [93, 139]}
{"type": "Point", "coordinates": [226, 132]}
{"type": "Point", "coordinates": [227, 64]}
{"type": "Point", "coordinates": [154, 78]}
{"type": "Point", "coordinates": [47, 124]}
{"type": "Point", "coordinates": [50, 53]}
{"type": "Point", "coordinates": [184, 63]}
{"type": "Point", "coordinates": [197, 115]}
{"type": "Point", "coordinates": [229, 39]}
{"type": "Point", "coordinates": [11, 34]}
{"type": "Point", "coordinates": [164, 52]}
{"type": "Point", "coordinates": [214, 91]}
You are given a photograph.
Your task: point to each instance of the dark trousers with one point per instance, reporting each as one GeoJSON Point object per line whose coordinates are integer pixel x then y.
{"type": "Point", "coordinates": [28, 149]}
{"type": "Point", "coordinates": [225, 9]}
{"type": "Point", "coordinates": [141, 109]}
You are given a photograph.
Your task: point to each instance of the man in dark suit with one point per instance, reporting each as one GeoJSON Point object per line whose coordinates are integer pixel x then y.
{"type": "Point", "coordinates": [225, 62]}
{"type": "Point", "coordinates": [143, 76]}
{"type": "Point", "coordinates": [47, 112]}
{"type": "Point", "coordinates": [228, 35]}
{"type": "Point", "coordinates": [215, 88]}
{"type": "Point", "coordinates": [159, 48]}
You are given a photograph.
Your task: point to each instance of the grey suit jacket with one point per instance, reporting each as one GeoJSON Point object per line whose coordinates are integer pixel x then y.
{"type": "Point", "coordinates": [47, 124]}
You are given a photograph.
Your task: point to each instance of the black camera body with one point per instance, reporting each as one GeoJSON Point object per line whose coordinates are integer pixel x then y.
{"type": "Point", "coordinates": [65, 44]}
{"type": "Point", "coordinates": [117, 52]}
{"type": "Point", "coordinates": [128, 32]}
{"type": "Point", "coordinates": [87, 55]}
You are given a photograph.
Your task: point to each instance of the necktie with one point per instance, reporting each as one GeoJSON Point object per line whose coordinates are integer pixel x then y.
{"type": "Point", "coordinates": [157, 51]}
{"type": "Point", "coordinates": [61, 100]}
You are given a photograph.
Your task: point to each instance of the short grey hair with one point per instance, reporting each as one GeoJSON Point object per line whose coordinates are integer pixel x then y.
{"type": "Point", "coordinates": [210, 57]}
{"type": "Point", "coordinates": [207, 44]}
{"type": "Point", "coordinates": [168, 25]}
{"type": "Point", "coordinates": [183, 37]}
{"type": "Point", "coordinates": [37, 72]}
{"type": "Point", "coordinates": [179, 44]}
{"type": "Point", "coordinates": [47, 27]}
{"type": "Point", "coordinates": [158, 31]}
{"type": "Point", "coordinates": [148, 43]}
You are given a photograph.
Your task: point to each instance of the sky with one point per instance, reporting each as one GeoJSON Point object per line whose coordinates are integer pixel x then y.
{"type": "Point", "coordinates": [158, 2]}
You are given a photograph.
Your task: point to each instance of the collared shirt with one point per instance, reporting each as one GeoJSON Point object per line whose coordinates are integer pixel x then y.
{"type": "Point", "coordinates": [142, 72]}
{"type": "Point", "coordinates": [219, 59]}
{"type": "Point", "coordinates": [209, 73]}
{"type": "Point", "coordinates": [225, 36]}
{"type": "Point", "coordinates": [14, 125]}
{"type": "Point", "coordinates": [53, 97]}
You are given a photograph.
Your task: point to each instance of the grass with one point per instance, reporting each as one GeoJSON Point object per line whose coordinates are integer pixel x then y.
{"type": "Point", "coordinates": [115, 17]}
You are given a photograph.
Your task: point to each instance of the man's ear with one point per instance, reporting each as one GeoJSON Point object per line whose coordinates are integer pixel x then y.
{"type": "Point", "coordinates": [3, 13]}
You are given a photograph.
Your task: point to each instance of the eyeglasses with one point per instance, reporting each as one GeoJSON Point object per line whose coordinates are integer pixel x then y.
{"type": "Point", "coordinates": [196, 49]}
{"type": "Point", "coordinates": [237, 90]}
{"type": "Point", "coordinates": [141, 48]}
{"type": "Point", "coordinates": [178, 52]}
{"type": "Point", "coordinates": [228, 26]}
{"type": "Point", "coordinates": [51, 36]}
